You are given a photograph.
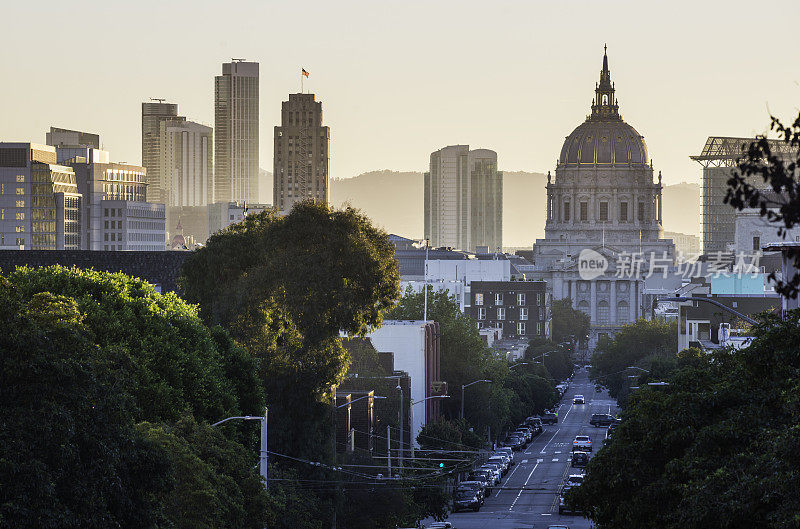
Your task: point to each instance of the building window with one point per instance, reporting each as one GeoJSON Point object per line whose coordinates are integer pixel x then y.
{"type": "Point", "coordinates": [623, 312]}
{"type": "Point", "coordinates": [20, 242]}
{"type": "Point", "coordinates": [498, 298]}
{"type": "Point", "coordinates": [501, 313]}
{"type": "Point", "coordinates": [20, 190]}
{"type": "Point", "coordinates": [584, 211]}
{"type": "Point", "coordinates": [20, 178]}
{"type": "Point", "coordinates": [623, 212]}
{"type": "Point", "coordinates": [538, 299]}
{"type": "Point", "coordinates": [603, 313]}
{"type": "Point", "coordinates": [566, 211]}
{"type": "Point", "coordinates": [523, 313]}
{"type": "Point", "coordinates": [539, 328]}
{"type": "Point", "coordinates": [603, 211]}
{"type": "Point", "coordinates": [21, 215]}
{"type": "Point", "coordinates": [521, 328]}
{"type": "Point", "coordinates": [482, 313]}
{"type": "Point", "coordinates": [20, 203]}
{"type": "Point", "coordinates": [756, 244]}
{"type": "Point", "coordinates": [641, 211]}
{"type": "Point", "coordinates": [20, 229]}
{"type": "Point", "coordinates": [521, 299]}
{"type": "Point", "coordinates": [479, 298]}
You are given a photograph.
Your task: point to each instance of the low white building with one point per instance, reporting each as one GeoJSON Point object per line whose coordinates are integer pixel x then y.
{"type": "Point", "coordinates": [416, 350]}
{"type": "Point", "coordinates": [223, 214]}
{"type": "Point", "coordinates": [753, 232]}
{"type": "Point", "coordinates": [455, 276]}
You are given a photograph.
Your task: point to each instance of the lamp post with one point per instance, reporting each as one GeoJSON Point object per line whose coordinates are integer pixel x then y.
{"type": "Point", "coordinates": [358, 399]}
{"type": "Point", "coordinates": [262, 460]}
{"type": "Point", "coordinates": [402, 427]}
{"type": "Point", "coordinates": [639, 368]}
{"type": "Point", "coordinates": [540, 356]}
{"type": "Point", "coordinates": [517, 365]}
{"type": "Point", "coordinates": [411, 408]}
{"type": "Point", "coordinates": [464, 386]}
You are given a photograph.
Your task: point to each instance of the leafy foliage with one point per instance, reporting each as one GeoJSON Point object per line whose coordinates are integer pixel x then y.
{"type": "Point", "coordinates": [715, 449]}
{"type": "Point", "coordinates": [780, 203]}
{"type": "Point", "coordinates": [569, 324]}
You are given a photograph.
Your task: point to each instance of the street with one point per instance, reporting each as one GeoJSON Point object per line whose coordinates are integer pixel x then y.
{"type": "Point", "coordinates": [528, 495]}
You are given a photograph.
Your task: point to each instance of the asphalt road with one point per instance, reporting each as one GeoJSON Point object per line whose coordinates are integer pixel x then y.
{"type": "Point", "coordinates": [528, 496]}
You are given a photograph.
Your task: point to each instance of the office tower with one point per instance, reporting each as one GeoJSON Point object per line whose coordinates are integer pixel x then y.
{"type": "Point", "coordinates": [236, 124]}
{"type": "Point", "coordinates": [718, 158]}
{"type": "Point", "coordinates": [40, 206]}
{"type": "Point", "coordinates": [186, 166]}
{"type": "Point", "coordinates": [152, 115]}
{"type": "Point", "coordinates": [464, 199]}
{"type": "Point", "coordinates": [302, 154]}
{"type": "Point", "coordinates": [72, 138]}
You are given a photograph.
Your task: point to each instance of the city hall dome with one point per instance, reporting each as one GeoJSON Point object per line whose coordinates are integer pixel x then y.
{"type": "Point", "coordinates": [604, 138]}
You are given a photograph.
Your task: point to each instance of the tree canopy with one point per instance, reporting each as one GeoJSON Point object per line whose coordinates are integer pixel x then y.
{"type": "Point", "coordinates": [569, 324]}
{"type": "Point", "coordinates": [714, 449]}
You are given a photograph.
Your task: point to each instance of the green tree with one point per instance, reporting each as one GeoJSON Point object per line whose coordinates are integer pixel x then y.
{"type": "Point", "coordinates": [86, 356]}
{"type": "Point", "coordinates": [569, 324]}
{"type": "Point", "coordinates": [636, 344]}
{"type": "Point", "coordinates": [714, 449]}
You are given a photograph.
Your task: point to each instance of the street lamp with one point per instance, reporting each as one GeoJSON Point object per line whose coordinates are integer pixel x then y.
{"type": "Point", "coordinates": [262, 460]}
{"type": "Point", "coordinates": [358, 399]}
{"type": "Point", "coordinates": [517, 365]}
{"type": "Point", "coordinates": [463, 386]}
{"type": "Point", "coordinates": [540, 356]}
{"type": "Point", "coordinates": [639, 368]}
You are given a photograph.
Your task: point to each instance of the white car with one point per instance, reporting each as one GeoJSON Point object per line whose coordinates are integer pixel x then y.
{"type": "Point", "coordinates": [582, 443]}
{"type": "Point", "coordinates": [574, 480]}
{"type": "Point", "coordinates": [578, 399]}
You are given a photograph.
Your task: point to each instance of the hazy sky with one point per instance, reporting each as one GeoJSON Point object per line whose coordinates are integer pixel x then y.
{"type": "Point", "coordinates": [401, 79]}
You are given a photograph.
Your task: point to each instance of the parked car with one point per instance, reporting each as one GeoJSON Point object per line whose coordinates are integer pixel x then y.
{"type": "Point", "coordinates": [574, 480]}
{"type": "Point", "coordinates": [601, 419]}
{"type": "Point", "coordinates": [525, 432]}
{"type": "Point", "coordinates": [496, 471]}
{"type": "Point", "coordinates": [468, 495]}
{"type": "Point", "coordinates": [483, 476]}
{"type": "Point", "coordinates": [579, 459]}
{"type": "Point", "coordinates": [515, 442]}
{"type": "Point", "coordinates": [500, 460]}
{"type": "Point", "coordinates": [508, 451]}
{"type": "Point", "coordinates": [550, 418]}
{"type": "Point", "coordinates": [505, 457]}
{"type": "Point", "coordinates": [533, 421]}
{"type": "Point", "coordinates": [582, 443]}
{"type": "Point", "coordinates": [441, 525]}
{"type": "Point", "coordinates": [578, 399]}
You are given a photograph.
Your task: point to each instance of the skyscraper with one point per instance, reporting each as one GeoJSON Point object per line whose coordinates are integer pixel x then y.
{"type": "Point", "coordinates": [152, 116]}
{"type": "Point", "coordinates": [236, 124]}
{"type": "Point", "coordinates": [186, 164]}
{"type": "Point", "coordinates": [302, 154]}
{"type": "Point", "coordinates": [464, 199]}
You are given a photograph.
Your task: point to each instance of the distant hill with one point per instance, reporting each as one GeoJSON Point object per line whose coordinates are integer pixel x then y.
{"type": "Point", "coordinates": [393, 200]}
{"type": "Point", "coordinates": [682, 206]}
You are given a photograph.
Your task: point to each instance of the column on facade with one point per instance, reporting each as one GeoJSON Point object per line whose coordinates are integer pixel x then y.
{"type": "Point", "coordinates": [660, 220]}
{"type": "Point", "coordinates": [593, 301]}
{"type": "Point", "coordinates": [632, 299]}
{"type": "Point", "coordinates": [613, 308]}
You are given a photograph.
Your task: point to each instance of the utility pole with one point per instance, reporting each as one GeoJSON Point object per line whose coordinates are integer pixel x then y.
{"type": "Point", "coordinates": [425, 313]}
{"type": "Point", "coordinates": [389, 450]}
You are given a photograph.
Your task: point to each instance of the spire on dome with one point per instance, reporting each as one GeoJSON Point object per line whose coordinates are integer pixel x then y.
{"type": "Point", "coordinates": [605, 104]}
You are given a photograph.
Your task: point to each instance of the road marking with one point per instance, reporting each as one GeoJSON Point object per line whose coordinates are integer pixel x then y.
{"type": "Point", "coordinates": [539, 461]}
{"type": "Point", "coordinates": [548, 442]}
{"type": "Point", "coordinates": [555, 460]}
{"type": "Point", "coordinates": [525, 485]}
{"type": "Point", "coordinates": [523, 461]}
{"type": "Point", "coordinates": [557, 452]}
{"type": "Point", "coordinates": [546, 514]}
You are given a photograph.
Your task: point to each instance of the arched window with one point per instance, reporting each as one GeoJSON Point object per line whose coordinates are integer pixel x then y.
{"type": "Point", "coordinates": [583, 306]}
{"type": "Point", "coordinates": [602, 312]}
{"type": "Point", "coordinates": [623, 312]}
{"type": "Point", "coordinates": [605, 99]}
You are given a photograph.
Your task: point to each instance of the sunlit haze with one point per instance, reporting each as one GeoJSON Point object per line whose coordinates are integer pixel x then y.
{"type": "Point", "coordinates": [399, 80]}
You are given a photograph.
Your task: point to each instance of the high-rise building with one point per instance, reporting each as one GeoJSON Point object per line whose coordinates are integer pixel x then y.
{"type": "Point", "coordinates": [152, 153]}
{"type": "Point", "coordinates": [72, 138]}
{"type": "Point", "coordinates": [302, 154]}
{"type": "Point", "coordinates": [718, 158]}
{"type": "Point", "coordinates": [236, 139]}
{"type": "Point", "coordinates": [186, 170]}
{"type": "Point", "coordinates": [464, 199]}
{"type": "Point", "coordinates": [40, 206]}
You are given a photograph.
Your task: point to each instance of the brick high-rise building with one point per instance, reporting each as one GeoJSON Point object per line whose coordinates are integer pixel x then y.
{"type": "Point", "coordinates": [302, 154]}
{"type": "Point", "coordinates": [153, 114]}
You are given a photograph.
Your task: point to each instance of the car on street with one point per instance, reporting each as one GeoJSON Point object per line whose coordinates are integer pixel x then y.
{"type": "Point", "coordinates": [497, 473]}
{"type": "Point", "coordinates": [483, 476]}
{"type": "Point", "coordinates": [534, 421]}
{"type": "Point", "coordinates": [578, 399]}
{"type": "Point", "coordinates": [515, 442]}
{"type": "Point", "coordinates": [549, 418]}
{"type": "Point", "coordinates": [508, 451]}
{"type": "Point", "coordinates": [582, 443]}
{"type": "Point", "coordinates": [499, 460]}
{"type": "Point", "coordinates": [579, 459]}
{"type": "Point", "coordinates": [601, 419]}
{"type": "Point", "coordinates": [441, 525]}
{"type": "Point", "coordinates": [468, 495]}
{"type": "Point", "coordinates": [525, 432]}
{"type": "Point", "coordinates": [506, 458]}
{"type": "Point", "coordinates": [574, 480]}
